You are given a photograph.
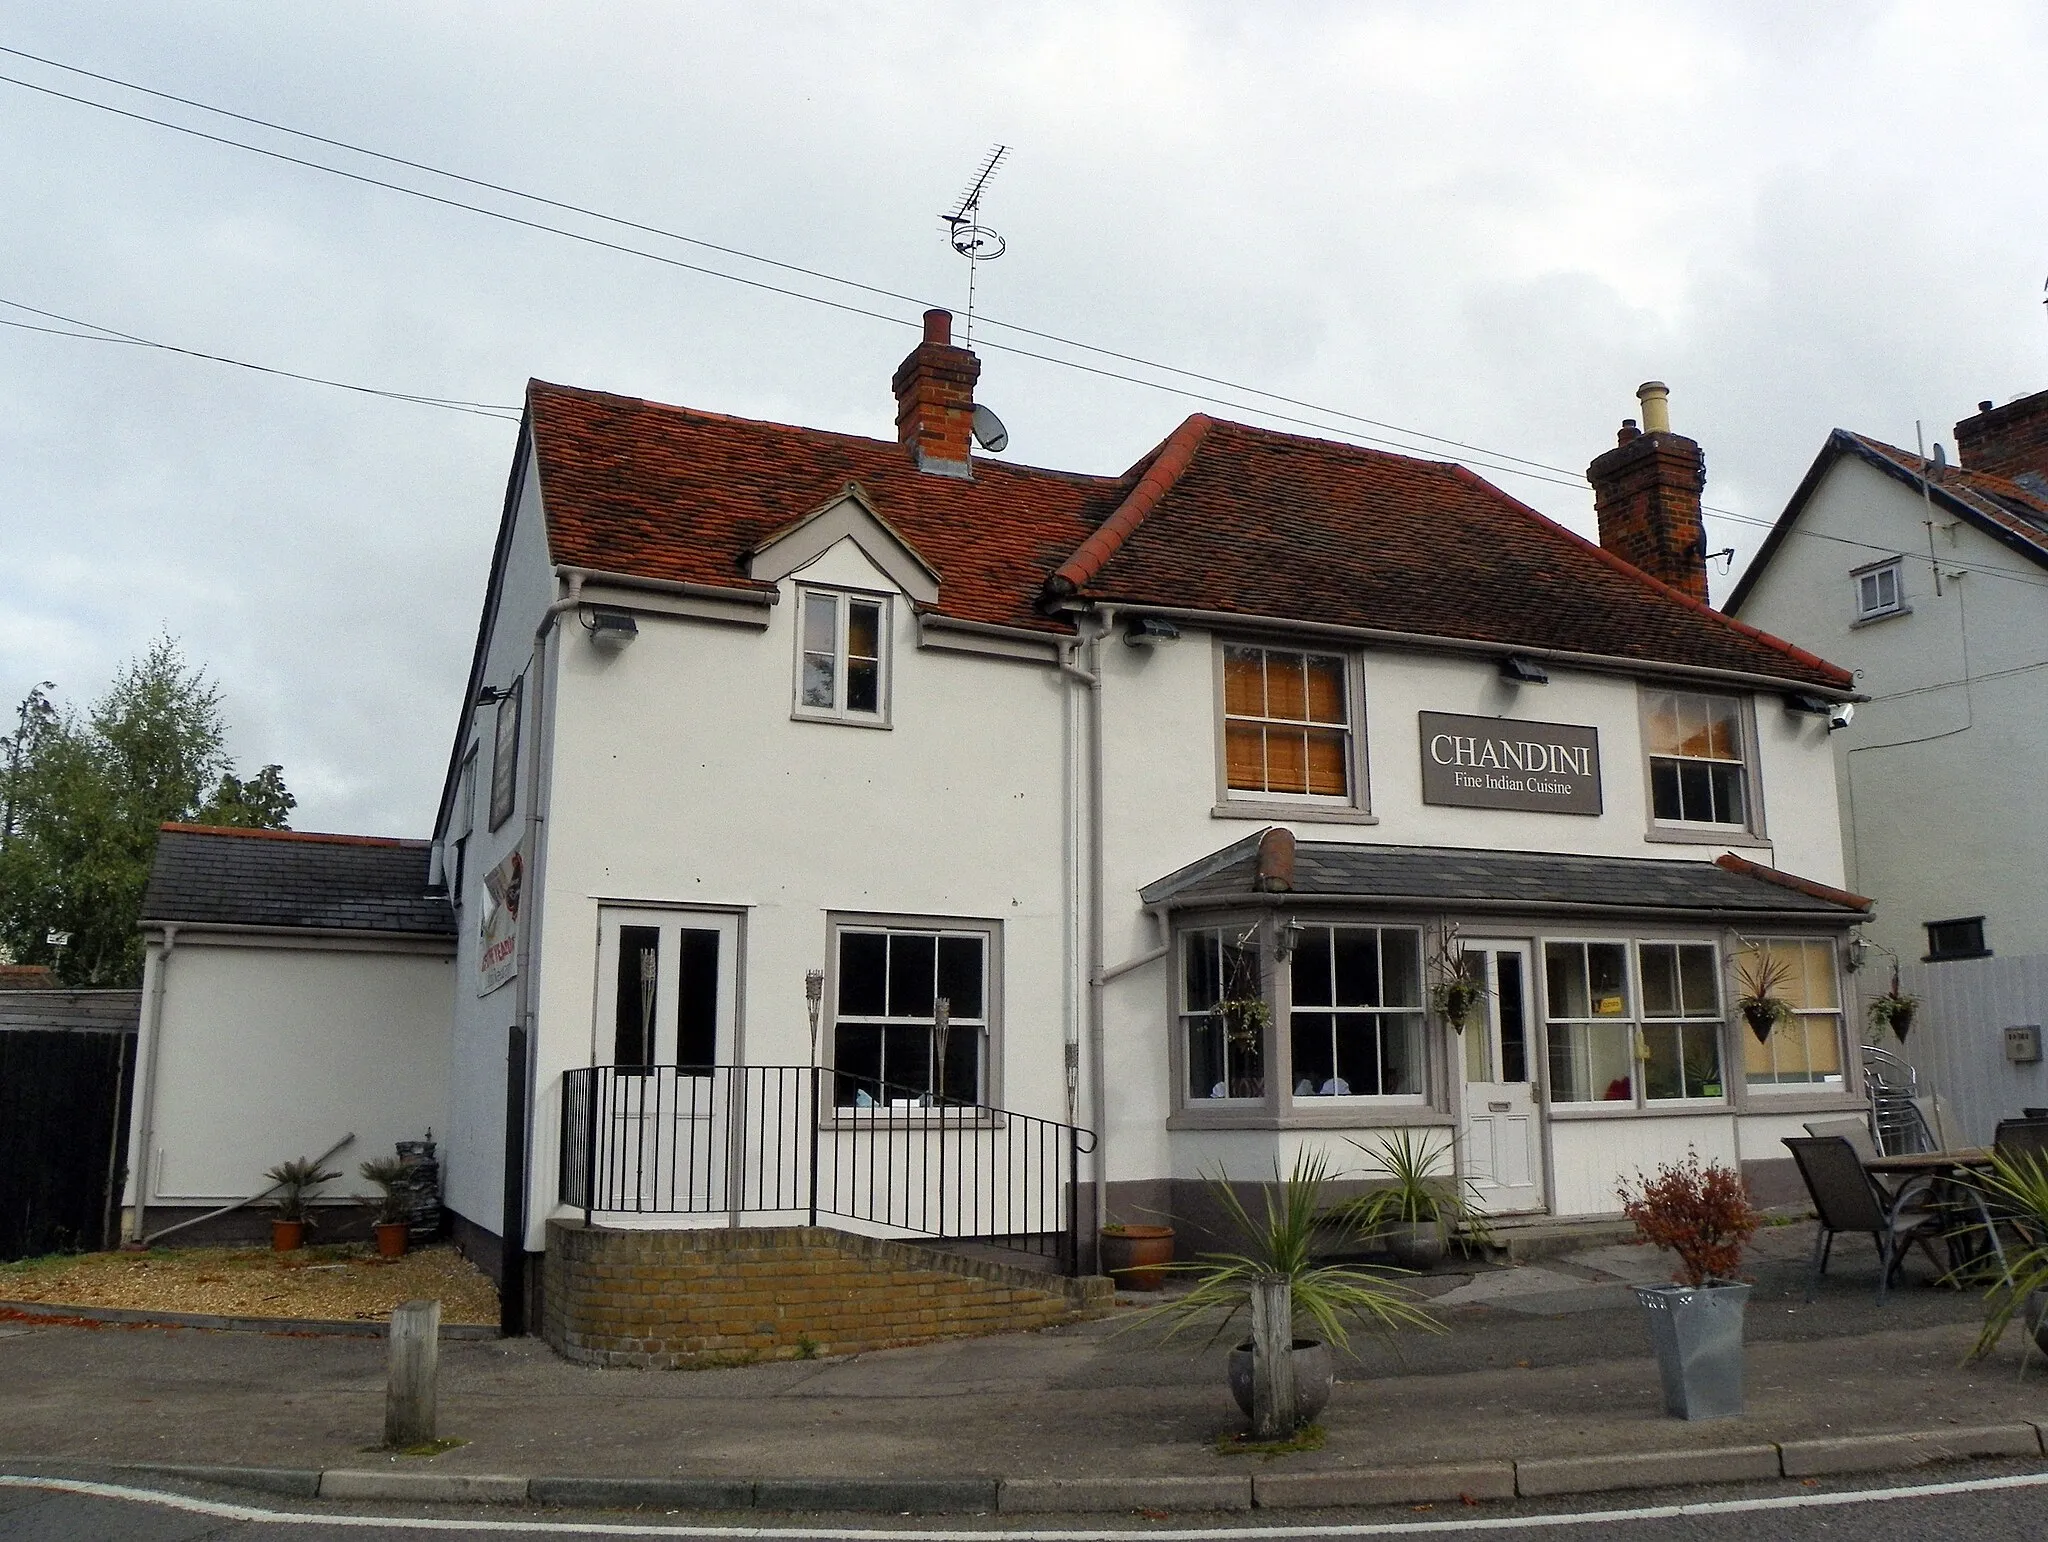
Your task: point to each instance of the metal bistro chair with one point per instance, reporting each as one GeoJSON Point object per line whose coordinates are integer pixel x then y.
{"type": "Point", "coordinates": [1895, 1117]}
{"type": "Point", "coordinates": [1847, 1199]}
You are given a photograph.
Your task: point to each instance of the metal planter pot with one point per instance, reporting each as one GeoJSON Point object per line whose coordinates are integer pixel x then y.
{"type": "Point", "coordinates": [1697, 1333]}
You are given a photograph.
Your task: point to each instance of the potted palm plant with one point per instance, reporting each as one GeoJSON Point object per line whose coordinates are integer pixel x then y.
{"type": "Point", "coordinates": [1702, 1212]}
{"type": "Point", "coordinates": [2017, 1189]}
{"type": "Point", "coordinates": [295, 1183]}
{"type": "Point", "coordinates": [390, 1226]}
{"type": "Point", "coordinates": [1413, 1214]}
{"type": "Point", "coordinates": [1277, 1257]}
{"type": "Point", "coordinates": [1759, 978]}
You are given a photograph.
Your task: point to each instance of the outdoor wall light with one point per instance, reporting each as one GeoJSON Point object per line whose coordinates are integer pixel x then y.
{"type": "Point", "coordinates": [491, 695]}
{"type": "Point", "coordinates": [610, 630]}
{"type": "Point", "coordinates": [1288, 940]}
{"type": "Point", "coordinates": [1523, 671]}
{"type": "Point", "coordinates": [1150, 632]}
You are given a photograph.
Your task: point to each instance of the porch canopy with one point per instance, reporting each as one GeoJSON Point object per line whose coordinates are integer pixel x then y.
{"type": "Point", "coordinates": [1730, 889]}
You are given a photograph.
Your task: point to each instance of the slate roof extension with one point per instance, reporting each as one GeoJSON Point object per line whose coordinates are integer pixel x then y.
{"type": "Point", "coordinates": [1523, 880]}
{"type": "Point", "coordinates": [210, 875]}
{"type": "Point", "coordinates": [1220, 517]}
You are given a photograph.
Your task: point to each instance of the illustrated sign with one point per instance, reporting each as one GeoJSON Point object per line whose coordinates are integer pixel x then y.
{"type": "Point", "coordinates": [1493, 762]}
{"type": "Point", "coordinates": [498, 931]}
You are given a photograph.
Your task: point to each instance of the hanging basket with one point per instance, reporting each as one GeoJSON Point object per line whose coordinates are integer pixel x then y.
{"type": "Point", "coordinates": [1900, 1021]}
{"type": "Point", "coordinates": [1761, 1021]}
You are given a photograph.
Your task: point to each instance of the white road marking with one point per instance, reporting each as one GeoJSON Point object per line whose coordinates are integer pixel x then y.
{"type": "Point", "coordinates": [234, 1512]}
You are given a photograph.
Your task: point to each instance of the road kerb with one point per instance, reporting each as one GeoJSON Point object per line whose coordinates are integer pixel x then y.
{"type": "Point", "coordinates": [1383, 1486]}
{"type": "Point", "coordinates": [425, 1487]}
{"type": "Point", "coordinates": [1094, 1496]}
{"type": "Point", "coordinates": [1644, 1469]}
{"type": "Point", "coordinates": [648, 1493]}
{"type": "Point", "coordinates": [885, 1496]}
{"type": "Point", "coordinates": [1879, 1453]}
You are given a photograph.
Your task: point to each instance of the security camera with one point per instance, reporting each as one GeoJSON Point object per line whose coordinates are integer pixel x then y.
{"type": "Point", "coordinates": [1840, 715]}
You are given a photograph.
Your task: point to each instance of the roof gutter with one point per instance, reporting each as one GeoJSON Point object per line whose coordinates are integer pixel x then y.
{"type": "Point", "coordinates": [325, 933]}
{"type": "Point", "coordinates": [1264, 899]}
{"type": "Point", "coordinates": [577, 577]}
{"type": "Point", "coordinates": [1431, 643]}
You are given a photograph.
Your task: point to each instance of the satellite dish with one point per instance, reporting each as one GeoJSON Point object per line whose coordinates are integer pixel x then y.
{"type": "Point", "coordinates": [989, 432]}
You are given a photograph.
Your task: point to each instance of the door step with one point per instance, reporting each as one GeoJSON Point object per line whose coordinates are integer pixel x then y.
{"type": "Point", "coordinates": [1520, 1238]}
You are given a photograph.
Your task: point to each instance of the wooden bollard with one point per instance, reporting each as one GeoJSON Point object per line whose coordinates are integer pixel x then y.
{"type": "Point", "coordinates": [413, 1358]}
{"type": "Point", "coordinates": [1272, 1360]}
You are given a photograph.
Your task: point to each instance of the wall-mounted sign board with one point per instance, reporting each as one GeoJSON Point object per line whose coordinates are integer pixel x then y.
{"type": "Point", "coordinates": [1496, 762]}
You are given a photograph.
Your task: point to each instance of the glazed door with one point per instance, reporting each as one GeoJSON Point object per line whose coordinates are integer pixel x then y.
{"type": "Point", "coordinates": [1502, 1131]}
{"type": "Point", "coordinates": [665, 1025]}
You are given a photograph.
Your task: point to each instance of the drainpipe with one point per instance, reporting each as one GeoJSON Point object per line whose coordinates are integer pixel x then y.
{"type": "Point", "coordinates": [142, 1119]}
{"type": "Point", "coordinates": [518, 1162]}
{"type": "Point", "coordinates": [1098, 1102]}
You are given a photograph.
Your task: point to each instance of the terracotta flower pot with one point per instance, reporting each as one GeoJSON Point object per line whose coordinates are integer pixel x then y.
{"type": "Point", "coordinates": [1133, 1255]}
{"type": "Point", "coordinates": [391, 1239]}
{"type": "Point", "coordinates": [287, 1236]}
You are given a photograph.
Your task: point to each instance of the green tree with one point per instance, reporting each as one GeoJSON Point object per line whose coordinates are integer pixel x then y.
{"type": "Point", "coordinates": [81, 800]}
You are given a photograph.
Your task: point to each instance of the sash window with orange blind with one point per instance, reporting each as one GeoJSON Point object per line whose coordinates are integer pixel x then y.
{"type": "Point", "coordinates": [1286, 724]}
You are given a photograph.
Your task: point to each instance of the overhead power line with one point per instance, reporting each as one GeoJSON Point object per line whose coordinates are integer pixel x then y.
{"type": "Point", "coordinates": [1498, 461]}
{"type": "Point", "coordinates": [96, 333]}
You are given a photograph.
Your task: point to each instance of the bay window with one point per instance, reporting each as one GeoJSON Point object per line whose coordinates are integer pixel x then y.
{"type": "Point", "coordinates": [1355, 1028]}
{"type": "Point", "coordinates": [1633, 1023]}
{"type": "Point", "coordinates": [1805, 1050]}
{"type": "Point", "coordinates": [1223, 1014]}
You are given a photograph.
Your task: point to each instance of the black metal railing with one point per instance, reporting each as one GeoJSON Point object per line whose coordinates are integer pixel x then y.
{"type": "Point", "coordinates": [783, 1143]}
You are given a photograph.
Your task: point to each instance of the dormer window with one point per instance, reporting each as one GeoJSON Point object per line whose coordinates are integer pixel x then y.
{"type": "Point", "coordinates": [842, 664]}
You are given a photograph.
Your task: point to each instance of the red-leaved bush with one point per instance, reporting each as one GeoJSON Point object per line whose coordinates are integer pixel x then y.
{"type": "Point", "coordinates": [1699, 1210]}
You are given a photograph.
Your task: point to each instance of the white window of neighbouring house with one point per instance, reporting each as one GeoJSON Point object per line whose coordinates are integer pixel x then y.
{"type": "Point", "coordinates": [1804, 1051]}
{"type": "Point", "coordinates": [842, 664]}
{"type": "Point", "coordinates": [1699, 773]}
{"type": "Point", "coordinates": [1355, 1027]}
{"type": "Point", "coordinates": [892, 1045]}
{"type": "Point", "coordinates": [1287, 729]}
{"type": "Point", "coordinates": [1879, 591]}
{"type": "Point", "coordinates": [1223, 1015]}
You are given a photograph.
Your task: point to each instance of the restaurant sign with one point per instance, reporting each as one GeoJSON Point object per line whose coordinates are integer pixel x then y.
{"type": "Point", "coordinates": [1494, 762]}
{"type": "Point", "coordinates": [498, 928]}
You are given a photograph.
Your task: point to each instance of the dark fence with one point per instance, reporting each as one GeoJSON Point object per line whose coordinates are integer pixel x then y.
{"type": "Point", "coordinates": [63, 1138]}
{"type": "Point", "coordinates": [773, 1142]}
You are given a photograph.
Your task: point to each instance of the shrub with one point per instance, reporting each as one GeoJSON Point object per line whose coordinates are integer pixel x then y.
{"type": "Point", "coordinates": [1698, 1210]}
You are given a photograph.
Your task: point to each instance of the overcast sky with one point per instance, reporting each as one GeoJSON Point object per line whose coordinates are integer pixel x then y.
{"type": "Point", "coordinates": [1484, 222]}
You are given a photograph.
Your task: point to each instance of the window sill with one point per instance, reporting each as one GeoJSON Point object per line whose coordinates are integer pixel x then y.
{"type": "Point", "coordinates": [1802, 1100]}
{"type": "Point", "coordinates": [1706, 835]}
{"type": "Point", "coordinates": [1952, 958]}
{"type": "Point", "coordinates": [839, 721]}
{"type": "Point", "coordinates": [1663, 1108]}
{"type": "Point", "coordinates": [1294, 813]}
{"type": "Point", "coordinates": [1353, 1117]}
{"type": "Point", "coordinates": [1883, 615]}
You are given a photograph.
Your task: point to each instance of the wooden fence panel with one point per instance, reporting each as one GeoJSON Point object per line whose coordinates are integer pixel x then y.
{"type": "Point", "coordinates": [63, 1139]}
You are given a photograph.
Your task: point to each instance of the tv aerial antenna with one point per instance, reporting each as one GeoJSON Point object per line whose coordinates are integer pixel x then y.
{"type": "Point", "coordinates": [969, 237]}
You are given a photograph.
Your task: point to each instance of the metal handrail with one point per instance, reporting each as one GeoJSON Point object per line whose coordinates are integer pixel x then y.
{"type": "Point", "coordinates": [786, 1141]}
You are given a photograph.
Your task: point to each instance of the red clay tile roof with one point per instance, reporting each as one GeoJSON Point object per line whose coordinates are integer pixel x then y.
{"type": "Point", "coordinates": [1219, 517]}
{"type": "Point", "coordinates": [631, 486]}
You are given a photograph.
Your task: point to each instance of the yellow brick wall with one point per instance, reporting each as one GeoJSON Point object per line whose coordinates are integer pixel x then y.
{"type": "Point", "coordinates": [724, 1295]}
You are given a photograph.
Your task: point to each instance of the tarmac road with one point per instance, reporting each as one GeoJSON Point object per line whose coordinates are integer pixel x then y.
{"type": "Point", "coordinates": [2008, 1505]}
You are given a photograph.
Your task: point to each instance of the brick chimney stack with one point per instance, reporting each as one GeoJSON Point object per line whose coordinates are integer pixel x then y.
{"type": "Point", "coordinates": [2009, 441]}
{"type": "Point", "coordinates": [935, 400]}
{"type": "Point", "coordinates": [1646, 491]}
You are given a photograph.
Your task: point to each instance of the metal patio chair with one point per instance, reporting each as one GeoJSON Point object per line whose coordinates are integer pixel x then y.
{"type": "Point", "coordinates": [1846, 1198]}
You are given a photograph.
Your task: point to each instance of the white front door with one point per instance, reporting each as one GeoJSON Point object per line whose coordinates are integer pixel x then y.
{"type": "Point", "coordinates": [1502, 1131]}
{"type": "Point", "coordinates": [664, 1023]}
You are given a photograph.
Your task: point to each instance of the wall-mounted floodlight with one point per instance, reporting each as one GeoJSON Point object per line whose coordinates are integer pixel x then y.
{"type": "Point", "coordinates": [610, 630]}
{"type": "Point", "coordinates": [1150, 632]}
{"type": "Point", "coordinates": [491, 695]}
{"type": "Point", "coordinates": [1518, 670]}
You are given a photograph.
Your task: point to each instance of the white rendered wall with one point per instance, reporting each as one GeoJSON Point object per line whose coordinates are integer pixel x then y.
{"type": "Point", "coordinates": [1941, 782]}
{"type": "Point", "coordinates": [263, 1054]}
{"type": "Point", "coordinates": [473, 1168]}
{"type": "Point", "coordinates": [680, 778]}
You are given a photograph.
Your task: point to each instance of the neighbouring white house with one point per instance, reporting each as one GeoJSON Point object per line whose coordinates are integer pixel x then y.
{"type": "Point", "coordinates": [1930, 581]}
{"type": "Point", "coordinates": [882, 831]}
{"type": "Point", "coordinates": [294, 1003]}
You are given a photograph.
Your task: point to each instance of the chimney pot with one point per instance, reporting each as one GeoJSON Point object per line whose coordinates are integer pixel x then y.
{"type": "Point", "coordinates": [1985, 406]}
{"type": "Point", "coordinates": [938, 327]}
{"type": "Point", "coordinates": [1656, 399]}
{"type": "Point", "coordinates": [1628, 432]}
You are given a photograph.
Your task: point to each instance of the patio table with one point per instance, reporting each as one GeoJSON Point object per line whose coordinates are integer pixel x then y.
{"type": "Point", "coordinates": [1974, 1240]}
